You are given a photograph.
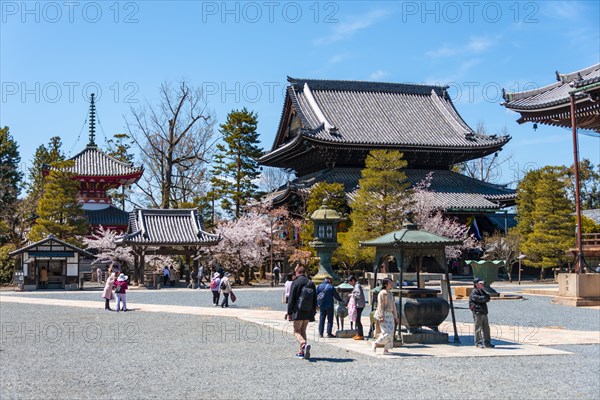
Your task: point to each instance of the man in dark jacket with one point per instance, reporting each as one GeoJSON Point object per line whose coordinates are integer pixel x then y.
{"type": "Point", "coordinates": [301, 318]}
{"type": "Point", "coordinates": [326, 306]}
{"type": "Point", "coordinates": [478, 305]}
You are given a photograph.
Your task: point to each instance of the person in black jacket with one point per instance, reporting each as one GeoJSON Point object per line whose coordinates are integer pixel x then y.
{"type": "Point", "coordinates": [478, 304]}
{"type": "Point", "coordinates": [301, 317]}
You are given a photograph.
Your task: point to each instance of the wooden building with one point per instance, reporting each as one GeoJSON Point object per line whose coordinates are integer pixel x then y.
{"type": "Point", "coordinates": [328, 127]}
{"type": "Point", "coordinates": [60, 260]}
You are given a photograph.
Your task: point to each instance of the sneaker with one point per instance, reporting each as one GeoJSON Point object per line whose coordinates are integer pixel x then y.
{"type": "Point", "coordinates": [307, 352]}
{"type": "Point", "coordinates": [386, 352]}
{"type": "Point", "coordinates": [357, 337]}
{"type": "Point", "coordinates": [329, 335]}
{"type": "Point", "coordinates": [489, 346]}
{"type": "Point", "coordinates": [299, 355]}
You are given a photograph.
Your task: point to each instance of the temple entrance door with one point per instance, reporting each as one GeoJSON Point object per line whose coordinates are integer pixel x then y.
{"type": "Point", "coordinates": [56, 274]}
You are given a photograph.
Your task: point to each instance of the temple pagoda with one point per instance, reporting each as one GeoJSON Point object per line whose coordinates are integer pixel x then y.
{"type": "Point", "coordinates": [97, 173]}
{"type": "Point", "coordinates": [328, 127]}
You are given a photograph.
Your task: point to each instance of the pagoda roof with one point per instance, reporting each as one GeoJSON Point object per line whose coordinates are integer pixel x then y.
{"type": "Point", "coordinates": [369, 115]}
{"type": "Point", "coordinates": [449, 190]}
{"type": "Point", "coordinates": [93, 162]}
{"type": "Point", "coordinates": [160, 227]}
{"type": "Point", "coordinates": [550, 104]}
{"type": "Point", "coordinates": [109, 216]}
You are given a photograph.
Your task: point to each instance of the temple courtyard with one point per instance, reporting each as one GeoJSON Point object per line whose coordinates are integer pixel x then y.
{"type": "Point", "coordinates": [174, 344]}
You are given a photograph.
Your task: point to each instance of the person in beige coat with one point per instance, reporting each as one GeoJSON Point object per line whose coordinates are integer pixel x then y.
{"type": "Point", "coordinates": [107, 294]}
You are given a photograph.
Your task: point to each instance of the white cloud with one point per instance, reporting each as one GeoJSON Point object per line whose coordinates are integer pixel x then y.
{"type": "Point", "coordinates": [473, 46]}
{"type": "Point", "coordinates": [377, 75]}
{"type": "Point", "coordinates": [345, 30]}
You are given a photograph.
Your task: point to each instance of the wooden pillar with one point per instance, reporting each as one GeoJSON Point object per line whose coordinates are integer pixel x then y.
{"type": "Point", "coordinates": [136, 269]}
{"type": "Point", "coordinates": [188, 259]}
{"type": "Point", "coordinates": [142, 266]}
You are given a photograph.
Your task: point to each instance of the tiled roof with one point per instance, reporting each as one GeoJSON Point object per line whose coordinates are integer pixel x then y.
{"type": "Point", "coordinates": [167, 227]}
{"type": "Point", "coordinates": [410, 236]}
{"type": "Point", "coordinates": [94, 162]}
{"type": "Point", "coordinates": [376, 113]}
{"type": "Point", "coordinates": [51, 239]}
{"type": "Point", "coordinates": [450, 190]}
{"type": "Point", "coordinates": [554, 94]}
{"type": "Point", "coordinates": [594, 215]}
{"type": "Point", "coordinates": [109, 216]}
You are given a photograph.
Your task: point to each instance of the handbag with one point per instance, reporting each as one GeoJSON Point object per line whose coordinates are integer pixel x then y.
{"type": "Point", "coordinates": [233, 298]}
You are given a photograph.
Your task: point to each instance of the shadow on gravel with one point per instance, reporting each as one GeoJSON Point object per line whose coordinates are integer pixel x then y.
{"type": "Point", "coordinates": [333, 360]}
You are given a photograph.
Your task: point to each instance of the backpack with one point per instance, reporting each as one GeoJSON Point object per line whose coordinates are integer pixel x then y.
{"type": "Point", "coordinates": [307, 295]}
{"type": "Point", "coordinates": [118, 289]}
{"type": "Point", "coordinates": [213, 284]}
{"type": "Point", "coordinates": [321, 298]}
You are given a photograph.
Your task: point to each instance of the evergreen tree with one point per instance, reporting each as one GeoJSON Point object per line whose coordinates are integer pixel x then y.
{"type": "Point", "coordinates": [10, 175]}
{"type": "Point", "coordinates": [10, 183]}
{"type": "Point", "coordinates": [119, 148]}
{"type": "Point", "coordinates": [589, 184]}
{"type": "Point", "coordinates": [235, 167]}
{"type": "Point", "coordinates": [553, 223]}
{"type": "Point", "coordinates": [380, 204]}
{"type": "Point", "coordinates": [58, 210]}
{"type": "Point", "coordinates": [525, 204]}
{"type": "Point", "coordinates": [43, 156]}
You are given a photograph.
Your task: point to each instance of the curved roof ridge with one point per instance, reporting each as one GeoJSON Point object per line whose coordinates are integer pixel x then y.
{"type": "Point", "coordinates": [356, 85]}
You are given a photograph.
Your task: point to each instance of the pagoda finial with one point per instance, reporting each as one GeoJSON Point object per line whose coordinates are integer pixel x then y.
{"type": "Point", "coordinates": [92, 121]}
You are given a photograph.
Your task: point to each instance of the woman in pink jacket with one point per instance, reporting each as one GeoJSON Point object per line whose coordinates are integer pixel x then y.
{"type": "Point", "coordinates": [120, 290]}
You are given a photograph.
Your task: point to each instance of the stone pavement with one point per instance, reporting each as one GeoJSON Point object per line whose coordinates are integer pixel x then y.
{"type": "Point", "coordinates": [509, 340]}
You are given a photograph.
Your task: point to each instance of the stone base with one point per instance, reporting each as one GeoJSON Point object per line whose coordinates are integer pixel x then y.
{"type": "Point", "coordinates": [424, 338]}
{"type": "Point", "coordinates": [462, 292]}
{"type": "Point", "coordinates": [578, 290]}
{"type": "Point", "coordinates": [346, 333]}
{"type": "Point", "coordinates": [576, 301]}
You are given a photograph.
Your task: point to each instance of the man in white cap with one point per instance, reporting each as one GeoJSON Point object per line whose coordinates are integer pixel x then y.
{"type": "Point", "coordinates": [478, 304]}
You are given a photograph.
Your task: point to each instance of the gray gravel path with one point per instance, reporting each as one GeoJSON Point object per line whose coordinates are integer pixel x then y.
{"type": "Point", "coordinates": [534, 311]}
{"type": "Point", "coordinates": [74, 353]}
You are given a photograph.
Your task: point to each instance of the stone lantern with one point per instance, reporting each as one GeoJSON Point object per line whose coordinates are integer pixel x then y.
{"type": "Point", "coordinates": [325, 241]}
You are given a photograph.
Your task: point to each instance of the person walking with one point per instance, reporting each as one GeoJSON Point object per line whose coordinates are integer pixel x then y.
{"type": "Point", "coordinates": [107, 294]}
{"type": "Point", "coordinates": [166, 275]}
{"type": "Point", "coordinates": [276, 275]}
{"type": "Point", "coordinates": [225, 288]}
{"type": "Point", "coordinates": [172, 276]}
{"type": "Point", "coordinates": [44, 277]}
{"type": "Point", "coordinates": [215, 286]}
{"type": "Point", "coordinates": [359, 300]}
{"type": "Point", "coordinates": [325, 295]}
{"type": "Point", "coordinates": [478, 305]}
{"type": "Point", "coordinates": [99, 275]}
{"type": "Point", "coordinates": [120, 291]}
{"type": "Point", "coordinates": [302, 307]}
{"type": "Point", "coordinates": [200, 277]}
{"type": "Point", "coordinates": [387, 316]}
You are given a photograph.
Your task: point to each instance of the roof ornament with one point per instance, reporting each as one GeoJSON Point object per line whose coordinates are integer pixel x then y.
{"type": "Point", "coordinates": [92, 121]}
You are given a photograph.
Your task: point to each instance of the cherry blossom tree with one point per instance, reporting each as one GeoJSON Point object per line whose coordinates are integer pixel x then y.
{"type": "Point", "coordinates": [245, 244]}
{"type": "Point", "coordinates": [431, 218]}
{"type": "Point", "coordinates": [103, 240]}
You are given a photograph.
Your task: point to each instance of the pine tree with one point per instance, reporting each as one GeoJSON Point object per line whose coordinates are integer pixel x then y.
{"type": "Point", "coordinates": [43, 156]}
{"type": "Point", "coordinates": [58, 210]}
{"type": "Point", "coordinates": [553, 223]}
{"type": "Point", "coordinates": [119, 148]}
{"type": "Point", "coordinates": [235, 167]}
{"type": "Point", "coordinates": [525, 202]}
{"type": "Point", "coordinates": [10, 183]}
{"type": "Point", "coordinates": [380, 204]}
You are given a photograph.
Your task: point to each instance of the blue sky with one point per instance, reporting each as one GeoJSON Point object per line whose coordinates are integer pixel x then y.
{"type": "Point", "coordinates": [53, 54]}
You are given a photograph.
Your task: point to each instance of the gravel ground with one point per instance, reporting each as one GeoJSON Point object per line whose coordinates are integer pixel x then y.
{"type": "Point", "coordinates": [73, 353]}
{"type": "Point", "coordinates": [533, 312]}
